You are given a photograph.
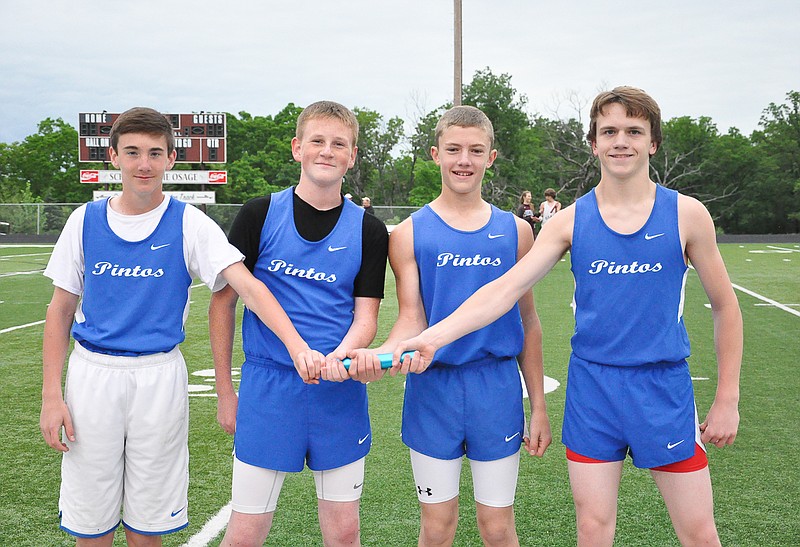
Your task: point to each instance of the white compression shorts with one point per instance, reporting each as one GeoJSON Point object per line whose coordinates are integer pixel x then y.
{"type": "Point", "coordinates": [494, 482]}
{"type": "Point", "coordinates": [255, 489]}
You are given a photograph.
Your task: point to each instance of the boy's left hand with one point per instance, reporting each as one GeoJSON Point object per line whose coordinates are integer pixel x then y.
{"type": "Point", "coordinates": [721, 424]}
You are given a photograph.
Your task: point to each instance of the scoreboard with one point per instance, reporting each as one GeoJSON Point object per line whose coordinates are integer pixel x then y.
{"type": "Point", "coordinates": [199, 138]}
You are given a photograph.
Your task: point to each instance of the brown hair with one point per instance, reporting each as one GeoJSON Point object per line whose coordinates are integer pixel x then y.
{"type": "Point", "coordinates": [329, 110]}
{"type": "Point", "coordinates": [550, 192]}
{"type": "Point", "coordinates": [465, 116]}
{"type": "Point", "coordinates": [637, 104]}
{"type": "Point", "coordinates": [142, 120]}
{"type": "Point", "coordinates": [523, 194]}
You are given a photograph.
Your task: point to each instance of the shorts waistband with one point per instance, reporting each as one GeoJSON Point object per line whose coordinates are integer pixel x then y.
{"type": "Point", "coordinates": [266, 362]}
{"type": "Point", "coordinates": [490, 360]}
{"type": "Point", "coordinates": [123, 361]}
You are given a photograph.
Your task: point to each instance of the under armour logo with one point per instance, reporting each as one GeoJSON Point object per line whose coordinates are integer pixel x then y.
{"type": "Point", "coordinates": [426, 491]}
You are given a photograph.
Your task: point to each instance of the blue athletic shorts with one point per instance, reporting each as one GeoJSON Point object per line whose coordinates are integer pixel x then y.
{"type": "Point", "coordinates": [284, 424]}
{"type": "Point", "coordinates": [646, 411]}
{"type": "Point", "coordinates": [473, 409]}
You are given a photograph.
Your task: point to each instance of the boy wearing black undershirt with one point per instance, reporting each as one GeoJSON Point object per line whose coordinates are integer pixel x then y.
{"type": "Point", "coordinates": [325, 261]}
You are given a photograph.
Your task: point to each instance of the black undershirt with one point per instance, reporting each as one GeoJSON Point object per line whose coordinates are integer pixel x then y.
{"type": "Point", "coordinates": [314, 225]}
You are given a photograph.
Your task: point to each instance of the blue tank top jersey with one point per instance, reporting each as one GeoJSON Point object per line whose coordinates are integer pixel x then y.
{"type": "Point", "coordinates": [453, 264]}
{"type": "Point", "coordinates": [629, 288]}
{"type": "Point", "coordinates": [312, 280]}
{"type": "Point", "coordinates": [135, 292]}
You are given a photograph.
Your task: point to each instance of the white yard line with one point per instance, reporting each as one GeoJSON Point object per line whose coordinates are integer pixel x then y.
{"type": "Point", "coordinates": [12, 274]}
{"type": "Point", "coordinates": [9, 329]}
{"type": "Point", "coordinates": [783, 249]}
{"type": "Point", "coordinates": [210, 529]}
{"type": "Point", "coordinates": [767, 300]}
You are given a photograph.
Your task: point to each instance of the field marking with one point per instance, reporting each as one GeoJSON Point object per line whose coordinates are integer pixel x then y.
{"type": "Point", "coordinates": [210, 529]}
{"type": "Point", "coordinates": [760, 297]}
{"type": "Point", "coordinates": [11, 274]}
{"type": "Point", "coordinates": [767, 300]}
{"type": "Point", "coordinates": [9, 257]}
{"type": "Point", "coordinates": [9, 329]}
{"type": "Point", "coordinates": [783, 249]}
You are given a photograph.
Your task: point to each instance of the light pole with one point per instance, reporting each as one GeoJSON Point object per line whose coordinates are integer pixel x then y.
{"type": "Point", "coordinates": [457, 53]}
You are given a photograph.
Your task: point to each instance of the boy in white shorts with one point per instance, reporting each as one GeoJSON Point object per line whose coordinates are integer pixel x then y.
{"type": "Point", "coordinates": [629, 390]}
{"type": "Point", "coordinates": [122, 270]}
{"type": "Point", "coordinates": [469, 400]}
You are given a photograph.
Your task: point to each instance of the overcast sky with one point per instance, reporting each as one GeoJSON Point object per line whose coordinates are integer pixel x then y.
{"type": "Point", "coordinates": [723, 59]}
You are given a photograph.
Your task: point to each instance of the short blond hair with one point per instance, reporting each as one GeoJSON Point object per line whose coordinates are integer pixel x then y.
{"type": "Point", "coordinates": [327, 110]}
{"type": "Point", "coordinates": [465, 116]}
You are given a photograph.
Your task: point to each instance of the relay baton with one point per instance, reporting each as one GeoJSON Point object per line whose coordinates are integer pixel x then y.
{"type": "Point", "coordinates": [386, 359]}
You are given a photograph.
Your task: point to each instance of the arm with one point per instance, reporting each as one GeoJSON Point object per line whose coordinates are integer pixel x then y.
{"type": "Point", "coordinates": [531, 361]}
{"type": "Point", "coordinates": [360, 335]}
{"type": "Point", "coordinates": [221, 325]}
{"type": "Point", "coordinates": [258, 298]}
{"type": "Point", "coordinates": [55, 413]}
{"type": "Point", "coordinates": [722, 422]}
{"type": "Point", "coordinates": [496, 298]}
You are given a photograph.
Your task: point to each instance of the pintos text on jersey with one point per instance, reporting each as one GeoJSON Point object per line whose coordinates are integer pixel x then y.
{"type": "Point", "coordinates": [279, 265]}
{"type": "Point", "coordinates": [612, 268]}
{"type": "Point", "coordinates": [457, 260]}
{"type": "Point", "coordinates": [115, 270]}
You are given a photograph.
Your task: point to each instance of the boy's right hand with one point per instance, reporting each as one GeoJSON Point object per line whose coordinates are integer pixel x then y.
{"type": "Point", "coordinates": [365, 366]}
{"type": "Point", "coordinates": [227, 405]}
{"type": "Point", "coordinates": [308, 364]}
{"type": "Point", "coordinates": [54, 415]}
{"type": "Point", "coordinates": [419, 362]}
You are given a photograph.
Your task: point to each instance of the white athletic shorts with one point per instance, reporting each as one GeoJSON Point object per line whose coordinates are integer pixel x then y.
{"type": "Point", "coordinates": [131, 418]}
{"type": "Point", "coordinates": [494, 482]}
{"type": "Point", "coordinates": [255, 490]}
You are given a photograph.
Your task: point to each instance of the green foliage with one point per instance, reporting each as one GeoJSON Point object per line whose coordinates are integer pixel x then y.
{"type": "Point", "coordinates": [749, 184]}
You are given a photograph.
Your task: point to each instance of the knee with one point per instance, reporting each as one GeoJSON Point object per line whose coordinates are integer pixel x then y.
{"type": "Point", "coordinates": [596, 529]}
{"type": "Point", "coordinates": [498, 529]}
{"type": "Point", "coordinates": [346, 531]}
{"type": "Point", "coordinates": [701, 533]}
{"type": "Point", "coordinates": [438, 530]}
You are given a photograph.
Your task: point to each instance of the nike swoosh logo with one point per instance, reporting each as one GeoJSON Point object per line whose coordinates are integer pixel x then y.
{"type": "Point", "coordinates": [333, 249]}
{"type": "Point", "coordinates": [512, 436]}
{"type": "Point", "coordinates": [648, 237]}
{"type": "Point", "coordinates": [361, 441]}
{"type": "Point", "coordinates": [176, 513]}
{"type": "Point", "coordinates": [495, 236]}
{"type": "Point", "coordinates": [357, 486]}
{"type": "Point", "coordinates": [157, 247]}
{"type": "Point", "coordinates": [670, 446]}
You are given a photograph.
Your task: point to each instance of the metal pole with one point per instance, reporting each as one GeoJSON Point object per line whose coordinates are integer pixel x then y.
{"type": "Point", "coordinates": [457, 54]}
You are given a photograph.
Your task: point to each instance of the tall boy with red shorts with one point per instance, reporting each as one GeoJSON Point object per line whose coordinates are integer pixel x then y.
{"type": "Point", "coordinates": [629, 389]}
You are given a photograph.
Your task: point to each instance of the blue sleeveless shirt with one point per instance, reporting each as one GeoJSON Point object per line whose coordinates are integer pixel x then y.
{"type": "Point", "coordinates": [135, 292]}
{"type": "Point", "coordinates": [312, 280]}
{"type": "Point", "coordinates": [629, 288]}
{"type": "Point", "coordinates": [453, 264]}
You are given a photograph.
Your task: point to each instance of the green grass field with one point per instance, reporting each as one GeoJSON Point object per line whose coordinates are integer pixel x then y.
{"type": "Point", "coordinates": [755, 480]}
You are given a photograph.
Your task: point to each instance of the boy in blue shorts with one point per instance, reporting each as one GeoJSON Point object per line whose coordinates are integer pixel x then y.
{"type": "Point", "coordinates": [469, 400]}
{"type": "Point", "coordinates": [122, 270]}
{"type": "Point", "coordinates": [629, 389]}
{"type": "Point", "coordinates": [325, 261]}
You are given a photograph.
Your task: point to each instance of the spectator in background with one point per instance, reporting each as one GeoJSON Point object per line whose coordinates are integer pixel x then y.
{"type": "Point", "coordinates": [549, 206]}
{"type": "Point", "coordinates": [366, 203]}
{"type": "Point", "coordinates": [525, 210]}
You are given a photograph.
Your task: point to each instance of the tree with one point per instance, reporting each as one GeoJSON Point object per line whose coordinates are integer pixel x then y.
{"type": "Point", "coordinates": [505, 107]}
{"type": "Point", "coordinates": [46, 163]}
{"type": "Point", "coordinates": [374, 172]}
{"type": "Point", "coordinates": [778, 144]}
